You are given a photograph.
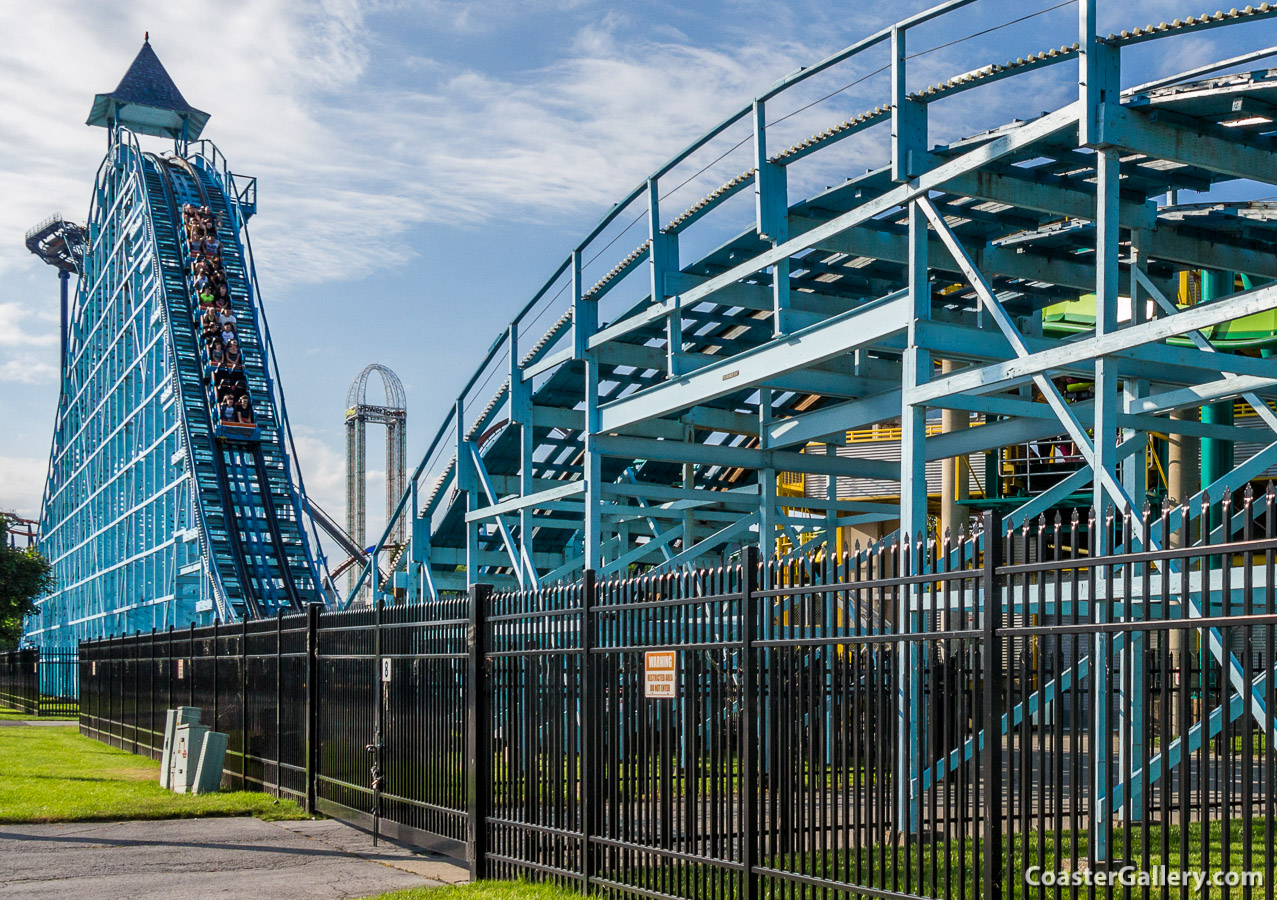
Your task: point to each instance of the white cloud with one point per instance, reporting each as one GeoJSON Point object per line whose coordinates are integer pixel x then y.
{"type": "Point", "coordinates": [26, 345]}
{"type": "Point", "coordinates": [13, 334]}
{"type": "Point", "coordinates": [27, 369]}
{"type": "Point", "coordinates": [22, 484]}
{"type": "Point", "coordinates": [352, 164]}
{"type": "Point", "coordinates": [324, 471]}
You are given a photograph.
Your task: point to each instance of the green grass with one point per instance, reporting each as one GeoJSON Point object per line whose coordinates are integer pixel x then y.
{"type": "Point", "coordinates": [884, 867]}
{"type": "Point", "coordinates": [483, 890]}
{"type": "Point", "coordinates": [13, 715]}
{"type": "Point", "coordinates": [53, 774]}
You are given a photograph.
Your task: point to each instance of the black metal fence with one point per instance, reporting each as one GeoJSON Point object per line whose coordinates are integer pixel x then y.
{"type": "Point", "coordinates": [1047, 699]}
{"type": "Point", "coordinates": [40, 682]}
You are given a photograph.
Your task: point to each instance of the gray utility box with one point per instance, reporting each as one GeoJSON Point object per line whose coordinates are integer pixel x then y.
{"type": "Point", "coordinates": [193, 754]}
{"type": "Point", "coordinates": [208, 772]}
{"type": "Point", "coordinates": [183, 715]}
{"type": "Point", "coordinates": [187, 748]}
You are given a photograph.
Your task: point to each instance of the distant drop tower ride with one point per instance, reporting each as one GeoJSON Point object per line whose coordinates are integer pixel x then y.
{"type": "Point", "coordinates": [164, 505]}
{"type": "Point", "coordinates": [394, 415]}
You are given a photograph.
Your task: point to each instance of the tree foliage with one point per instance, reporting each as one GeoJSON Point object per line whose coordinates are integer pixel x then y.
{"type": "Point", "coordinates": [25, 575]}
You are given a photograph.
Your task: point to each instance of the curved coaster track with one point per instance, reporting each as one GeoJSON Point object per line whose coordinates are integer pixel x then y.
{"type": "Point", "coordinates": [637, 413]}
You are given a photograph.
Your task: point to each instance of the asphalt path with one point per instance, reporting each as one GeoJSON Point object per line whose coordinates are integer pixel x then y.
{"type": "Point", "coordinates": [198, 858]}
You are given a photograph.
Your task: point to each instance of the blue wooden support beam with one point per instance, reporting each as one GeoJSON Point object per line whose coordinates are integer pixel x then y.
{"type": "Point", "coordinates": [1257, 300]}
{"type": "Point", "coordinates": [662, 261]}
{"type": "Point", "coordinates": [783, 356]}
{"type": "Point", "coordinates": [771, 201]}
{"type": "Point", "coordinates": [745, 457]}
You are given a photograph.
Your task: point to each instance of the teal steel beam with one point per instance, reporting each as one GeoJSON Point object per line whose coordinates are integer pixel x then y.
{"type": "Point", "coordinates": [585, 322]}
{"type": "Point", "coordinates": [1106, 479]}
{"type": "Point", "coordinates": [916, 367]}
{"type": "Point", "coordinates": [1156, 362]}
{"type": "Point", "coordinates": [1104, 467]}
{"type": "Point", "coordinates": [771, 205]}
{"type": "Point", "coordinates": [742, 498]}
{"type": "Point", "coordinates": [717, 539]}
{"type": "Point", "coordinates": [839, 417]}
{"type": "Point", "coordinates": [520, 503]}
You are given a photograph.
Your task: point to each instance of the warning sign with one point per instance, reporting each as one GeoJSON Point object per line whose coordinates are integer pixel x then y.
{"type": "Point", "coordinates": [660, 674]}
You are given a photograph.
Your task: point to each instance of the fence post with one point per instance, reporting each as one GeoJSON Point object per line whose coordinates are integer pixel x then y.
{"type": "Point", "coordinates": [747, 730]}
{"type": "Point", "coordinates": [137, 686]}
{"type": "Point", "coordinates": [190, 659]}
{"type": "Point", "coordinates": [168, 670]}
{"type": "Point", "coordinates": [312, 704]}
{"type": "Point", "coordinates": [36, 696]}
{"type": "Point", "coordinates": [243, 705]}
{"type": "Point", "coordinates": [992, 724]}
{"type": "Point", "coordinates": [379, 711]}
{"type": "Point", "coordinates": [216, 629]}
{"type": "Point", "coordinates": [279, 702]}
{"type": "Point", "coordinates": [479, 728]}
{"type": "Point", "coordinates": [150, 718]}
{"type": "Point", "coordinates": [590, 727]}
{"type": "Point", "coordinates": [113, 650]}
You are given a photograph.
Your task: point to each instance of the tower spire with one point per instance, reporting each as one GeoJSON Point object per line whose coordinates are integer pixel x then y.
{"type": "Point", "coordinates": [148, 102]}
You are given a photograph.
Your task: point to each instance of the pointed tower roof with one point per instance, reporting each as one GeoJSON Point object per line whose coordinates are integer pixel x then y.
{"type": "Point", "coordinates": [148, 102]}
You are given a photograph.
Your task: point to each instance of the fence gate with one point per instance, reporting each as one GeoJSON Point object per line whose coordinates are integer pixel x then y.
{"type": "Point", "coordinates": [391, 722]}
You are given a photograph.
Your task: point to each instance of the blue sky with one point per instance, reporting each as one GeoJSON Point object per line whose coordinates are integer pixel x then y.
{"type": "Point", "coordinates": [424, 166]}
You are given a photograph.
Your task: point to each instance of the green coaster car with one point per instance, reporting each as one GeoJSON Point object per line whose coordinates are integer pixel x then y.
{"type": "Point", "coordinates": [1253, 332]}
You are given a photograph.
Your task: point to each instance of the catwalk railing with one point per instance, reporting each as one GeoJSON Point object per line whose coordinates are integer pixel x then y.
{"type": "Point", "coordinates": [40, 682]}
{"type": "Point", "coordinates": [846, 727]}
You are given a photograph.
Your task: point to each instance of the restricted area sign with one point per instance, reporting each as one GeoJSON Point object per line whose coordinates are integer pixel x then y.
{"type": "Point", "coordinates": [660, 674]}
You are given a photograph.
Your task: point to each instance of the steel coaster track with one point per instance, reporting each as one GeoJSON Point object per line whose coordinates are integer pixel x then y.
{"type": "Point", "coordinates": [211, 166]}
